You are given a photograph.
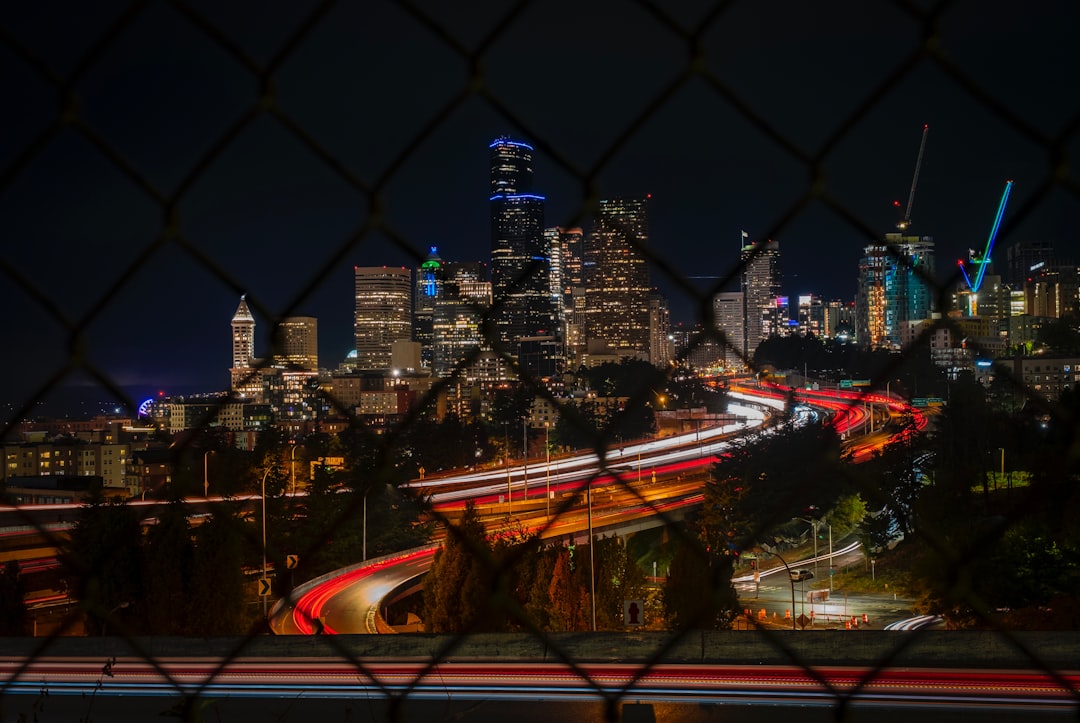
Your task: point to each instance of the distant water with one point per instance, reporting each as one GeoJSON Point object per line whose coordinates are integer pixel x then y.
{"type": "Point", "coordinates": [84, 402]}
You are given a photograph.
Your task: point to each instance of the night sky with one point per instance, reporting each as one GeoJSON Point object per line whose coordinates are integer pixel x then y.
{"type": "Point", "coordinates": [387, 94]}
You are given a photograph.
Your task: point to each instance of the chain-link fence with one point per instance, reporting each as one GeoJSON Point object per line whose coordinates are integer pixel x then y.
{"type": "Point", "coordinates": [420, 73]}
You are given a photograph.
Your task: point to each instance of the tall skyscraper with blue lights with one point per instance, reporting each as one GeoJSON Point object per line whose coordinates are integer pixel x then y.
{"type": "Point", "coordinates": [520, 264]}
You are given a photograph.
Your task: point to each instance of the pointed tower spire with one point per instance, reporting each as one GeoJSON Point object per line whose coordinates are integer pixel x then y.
{"type": "Point", "coordinates": [243, 335]}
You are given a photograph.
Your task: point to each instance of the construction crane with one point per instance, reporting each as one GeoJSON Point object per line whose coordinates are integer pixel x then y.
{"type": "Point", "coordinates": [914, 182]}
{"type": "Point", "coordinates": [982, 261]}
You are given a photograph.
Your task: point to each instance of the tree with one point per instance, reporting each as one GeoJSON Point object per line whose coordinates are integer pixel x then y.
{"type": "Point", "coordinates": [766, 482]}
{"type": "Point", "coordinates": [13, 617]}
{"type": "Point", "coordinates": [102, 561]}
{"type": "Point", "coordinates": [698, 594]}
{"type": "Point", "coordinates": [217, 603]}
{"type": "Point", "coordinates": [569, 598]}
{"type": "Point", "coordinates": [457, 586]}
{"type": "Point", "coordinates": [618, 578]}
{"type": "Point", "coordinates": [167, 562]}
{"type": "Point", "coordinates": [892, 481]}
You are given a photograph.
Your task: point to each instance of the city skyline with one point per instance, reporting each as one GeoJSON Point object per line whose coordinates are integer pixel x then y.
{"type": "Point", "coordinates": [266, 216]}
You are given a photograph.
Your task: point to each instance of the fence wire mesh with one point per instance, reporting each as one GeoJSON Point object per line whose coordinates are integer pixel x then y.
{"type": "Point", "coordinates": [476, 53]}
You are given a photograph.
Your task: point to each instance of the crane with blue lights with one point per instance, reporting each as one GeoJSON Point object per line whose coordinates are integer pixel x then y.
{"type": "Point", "coordinates": [981, 261]}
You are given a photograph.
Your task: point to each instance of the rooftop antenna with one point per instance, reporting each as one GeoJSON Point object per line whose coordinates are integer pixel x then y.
{"type": "Point", "coordinates": [914, 181]}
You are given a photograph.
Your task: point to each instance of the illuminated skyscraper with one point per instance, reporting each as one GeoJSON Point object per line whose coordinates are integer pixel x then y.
{"type": "Point", "coordinates": [520, 267]}
{"type": "Point", "coordinates": [457, 321]}
{"type": "Point", "coordinates": [760, 286]}
{"type": "Point", "coordinates": [564, 247]}
{"type": "Point", "coordinates": [245, 380]}
{"type": "Point", "coordinates": [730, 320]}
{"type": "Point", "coordinates": [429, 282]}
{"type": "Point", "coordinates": [383, 314]}
{"type": "Point", "coordinates": [243, 336]}
{"type": "Point", "coordinates": [617, 277]}
{"type": "Point", "coordinates": [296, 345]}
{"type": "Point", "coordinates": [894, 289]}
{"type": "Point", "coordinates": [660, 347]}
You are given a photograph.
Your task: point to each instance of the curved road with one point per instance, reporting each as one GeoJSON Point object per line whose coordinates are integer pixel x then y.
{"type": "Point", "coordinates": [347, 601]}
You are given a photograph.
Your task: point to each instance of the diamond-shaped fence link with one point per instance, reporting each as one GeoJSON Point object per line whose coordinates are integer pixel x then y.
{"type": "Point", "coordinates": [375, 191]}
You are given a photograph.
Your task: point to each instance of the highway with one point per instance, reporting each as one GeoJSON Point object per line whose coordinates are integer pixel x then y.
{"type": "Point", "coordinates": [291, 688]}
{"type": "Point", "coordinates": [348, 601]}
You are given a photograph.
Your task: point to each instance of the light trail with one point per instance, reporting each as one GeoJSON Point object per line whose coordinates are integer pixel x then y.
{"type": "Point", "coordinates": [328, 678]}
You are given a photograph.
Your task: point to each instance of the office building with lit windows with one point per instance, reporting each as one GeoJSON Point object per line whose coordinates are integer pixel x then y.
{"type": "Point", "coordinates": [383, 314]}
{"type": "Point", "coordinates": [429, 280]}
{"type": "Point", "coordinates": [729, 321]}
{"type": "Point", "coordinates": [520, 266]}
{"type": "Point", "coordinates": [458, 317]}
{"type": "Point", "coordinates": [296, 344]}
{"type": "Point", "coordinates": [760, 286]}
{"type": "Point", "coordinates": [894, 289]}
{"type": "Point", "coordinates": [617, 289]}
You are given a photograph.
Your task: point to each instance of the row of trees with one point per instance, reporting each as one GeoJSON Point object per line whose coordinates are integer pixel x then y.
{"type": "Point", "coordinates": [511, 581]}
{"type": "Point", "coordinates": [751, 497]}
{"type": "Point", "coordinates": [165, 578]}
{"type": "Point", "coordinates": [989, 551]}
{"type": "Point", "coordinates": [195, 574]}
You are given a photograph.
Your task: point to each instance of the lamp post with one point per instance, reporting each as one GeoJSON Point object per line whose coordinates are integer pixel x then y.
{"type": "Point", "coordinates": [813, 526]}
{"type": "Point", "coordinates": [292, 469]}
{"type": "Point", "coordinates": [363, 551]}
{"type": "Point", "coordinates": [506, 454]}
{"type": "Point", "coordinates": [262, 488]}
{"type": "Point", "coordinates": [206, 473]}
{"type": "Point", "coordinates": [830, 558]}
{"type": "Point", "coordinates": [525, 454]}
{"type": "Point", "coordinates": [592, 566]}
{"type": "Point", "coordinates": [791, 579]}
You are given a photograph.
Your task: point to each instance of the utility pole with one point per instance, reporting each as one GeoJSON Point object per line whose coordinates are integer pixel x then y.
{"type": "Point", "coordinates": [506, 453]}
{"type": "Point", "coordinates": [547, 468]}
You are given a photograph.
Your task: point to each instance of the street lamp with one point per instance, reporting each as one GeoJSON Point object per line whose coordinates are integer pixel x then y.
{"type": "Point", "coordinates": [813, 526]}
{"type": "Point", "coordinates": [791, 579]}
{"type": "Point", "coordinates": [506, 454]}
{"type": "Point", "coordinates": [525, 454]}
{"type": "Point", "coordinates": [592, 566]}
{"type": "Point", "coordinates": [292, 468]}
{"type": "Point", "coordinates": [206, 472]}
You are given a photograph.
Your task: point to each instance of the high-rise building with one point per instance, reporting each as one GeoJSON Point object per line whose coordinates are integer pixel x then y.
{"type": "Point", "coordinates": [245, 379]}
{"type": "Point", "coordinates": [729, 321]}
{"type": "Point", "coordinates": [520, 267]}
{"type": "Point", "coordinates": [660, 347]}
{"type": "Point", "coordinates": [429, 280]}
{"type": "Point", "coordinates": [617, 277]}
{"type": "Point", "coordinates": [383, 314]}
{"type": "Point", "coordinates": [1024, 257]}
{"type": "Point", "coordinates": [811, 315]}
{"type": "Point", "coordinates": [565, 250]}
{"type": "Point", "coordinates": [296, 344]}
{"type": "Point", "coordinates": [457, 321]}
{"type": "Point", "coordinates": [243, 336]}
{"type": "Point", "coordinates": [760, 286]}
{"type": "Point", "coordinates": [894, 289]}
